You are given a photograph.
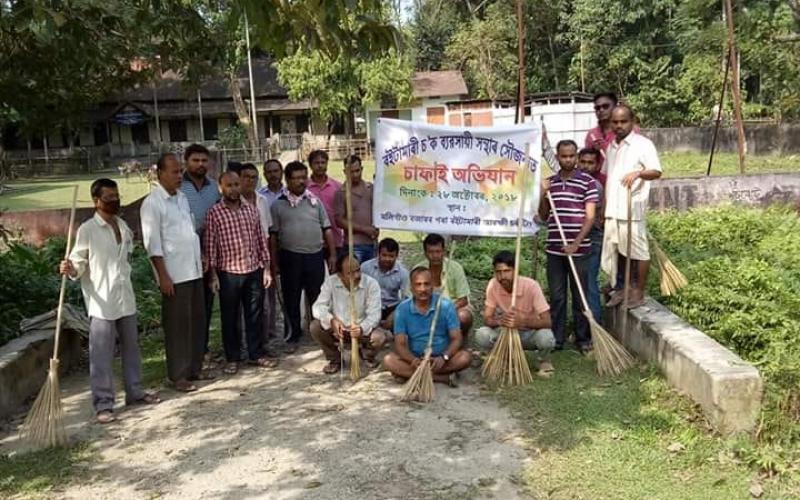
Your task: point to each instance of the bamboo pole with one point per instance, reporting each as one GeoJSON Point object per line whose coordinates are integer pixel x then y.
{"type": "Point", "coordinates": [719, 112]}
{"type": "Point", "coordinates": [355, 359]}
{"type": "Point", "coordinates": [741, 142]}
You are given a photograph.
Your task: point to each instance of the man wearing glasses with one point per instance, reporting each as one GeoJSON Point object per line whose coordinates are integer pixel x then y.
{"type": "Point", "coordinates": [602, 135]}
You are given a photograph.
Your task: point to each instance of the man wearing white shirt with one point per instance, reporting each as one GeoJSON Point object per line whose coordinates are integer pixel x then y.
{"type": "Point", "coordinates": [332, 323]}
{"type": "Point", "coordinates": [174, 249]}
{"type": "Point", "coordinates": [103, 245]}
{"type": "Point", "coordinates": [632, 163]}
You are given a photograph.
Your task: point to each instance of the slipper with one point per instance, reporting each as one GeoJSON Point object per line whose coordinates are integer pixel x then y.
{"type": "Point", "coordinates": [633, 304]}
{"type": "Point", "coordinates": [332, 367]}
{"type": "Point", "coordinates": [184, 386]}
{"type": "Point", "coordinates": [264, 362]}
{"type": "Point", "coordinates": [546, 370]}
{"type": "Point", "coordinates": [616, 298]}
{"type": "Point", "coordinates": [231, 368]}
{"type": "Point", "coordinates": [149, 398]}
{"type": "Point", "coordinates": [204, 375]}
{"type": "Point", "coordinates": [105, 417]}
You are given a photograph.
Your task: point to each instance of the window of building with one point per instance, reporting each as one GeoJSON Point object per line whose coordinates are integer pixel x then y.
{"type": "Point", "coordinates": [140, 133]}
{"type": "Point", "coordinates": [467, 119]}
{"type": "Point", "coordinates": [210, 129]}
{"type": "Point", "coordinates": [100, 133]}
{"type": "Point", "coordinates": [177, 130]}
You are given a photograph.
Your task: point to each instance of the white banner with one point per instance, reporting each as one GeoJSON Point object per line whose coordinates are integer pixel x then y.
{"type": "Point", "coordinates": [455, 180]}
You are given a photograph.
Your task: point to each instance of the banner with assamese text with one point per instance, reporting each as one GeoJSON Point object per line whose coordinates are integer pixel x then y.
{"type": "Point", "coordinates": [455, 180]}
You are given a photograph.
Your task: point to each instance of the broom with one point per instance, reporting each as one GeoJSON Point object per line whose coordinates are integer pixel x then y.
{"type": "Point", "coordinates": [355, 358]}
{"type": "Point", "coordinates": [44, 425]}
{"type": "Point", "coordinates": [420, 386]}
{"type": "Point", "coordinates": [672, 279]}
{"type": "Point", "coordinates": [611, 356]}
{"type": "Point", "coordinates": [506, 361]}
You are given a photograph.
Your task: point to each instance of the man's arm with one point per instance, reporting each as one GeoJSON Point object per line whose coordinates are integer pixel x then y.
{"type": "Point", "coordinates": [151, 236]}
{"type": "Point", "coordinates": [322, 309]}
{"type": "Point", "coordinates": [402, 350]}
{"type": "Point", "coordinates": [544, 204]}
{"type": "Point", "coordinates": [489, 316]}
{"type": "Point", "coordinates": [536, 321]}
{"type": "Point", "coordinates": [588, 222]}
{"type": "Point", "coordinates": [79, 256]}
{"type": "Point", "coordinates": [372, 312]}
{"type": "Point", "coordinates": [455, 342]}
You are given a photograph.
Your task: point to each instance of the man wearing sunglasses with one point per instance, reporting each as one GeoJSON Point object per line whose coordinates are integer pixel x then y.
{"type": "Point", "coordinates": [602, 135]}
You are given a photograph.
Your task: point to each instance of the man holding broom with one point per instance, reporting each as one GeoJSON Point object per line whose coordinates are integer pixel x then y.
{"type": "Point", "coordinates": [365, 235]}
{"type": "Point", "coordinates": [530, 315]}
{"type": "Point", "coordinates": [574, 196]}
{"type": "Point", "coordinates": [632, 163]}
{"type": "Point", "coordinates": [412, 326]}
{"type": "Point", "coordinates": [332, 323]}
{"type": "Point", "coordinates": [99, 259]}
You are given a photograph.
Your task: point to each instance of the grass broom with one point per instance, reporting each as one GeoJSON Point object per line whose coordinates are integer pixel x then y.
{"type": "Point", "coordinates": [611, 356]}
{"type": "Point", "coordinates": [507, 362]}
{"type": "Point", "coordinates": [672, 279]}
{"type": "Point", "coordinates": [44, 425]}
{"type": "Point", "coordinates": [355, 357]}
{"type": "Point", "coordinates": [420, 386]}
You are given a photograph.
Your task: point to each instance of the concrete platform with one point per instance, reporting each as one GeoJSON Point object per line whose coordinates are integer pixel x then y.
{"type": "Point", "coordinates": [727, 388]}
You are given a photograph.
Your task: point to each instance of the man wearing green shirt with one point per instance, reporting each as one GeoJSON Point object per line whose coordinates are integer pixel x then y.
{"type": "Point", "coordinates": [455, 287]}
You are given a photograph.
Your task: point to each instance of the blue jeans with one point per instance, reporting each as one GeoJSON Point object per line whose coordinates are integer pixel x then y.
{"type": "Point", "coordinates": [559, 277]}
{"type": "Point", "coordinates": [593, 271]}
{"type": "Point", "coordinates": [362, 252]}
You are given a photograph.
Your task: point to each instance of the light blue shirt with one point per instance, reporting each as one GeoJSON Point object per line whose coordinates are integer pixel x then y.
{"type": "Point", "coordinates": [200, 200]}
{"type": "Point", "coordinates": [417, 326]}
{"type": "Point", "coordinates": [394, 282]}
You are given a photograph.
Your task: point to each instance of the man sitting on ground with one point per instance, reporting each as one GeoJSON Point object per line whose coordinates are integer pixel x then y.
{"type": "Point", "coordinates": [455, 287]}
{"type": "Point", "coordinates": [530, 315]}
{"type": "Point", "coordinates": [331, 311]}
{"type": "Point", "coordinates": [391, 275]}
{"type": "Point", "coordinates": [412, 325]}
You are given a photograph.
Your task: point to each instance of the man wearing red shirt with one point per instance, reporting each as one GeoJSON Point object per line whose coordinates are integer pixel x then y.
{"type": "Point", "coordinates": [237, 256]}
{"type": "Point", "coordinates": [324, 187]}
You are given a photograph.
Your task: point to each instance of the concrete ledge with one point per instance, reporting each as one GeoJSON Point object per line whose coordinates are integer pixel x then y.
{"type": "Point", "coordinates": [726, 387]}
{"type": "Point", "coordinates": [24, 361]}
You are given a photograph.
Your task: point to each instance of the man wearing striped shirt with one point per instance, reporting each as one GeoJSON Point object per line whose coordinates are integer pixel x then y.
{"type": "Point", "coordinates": [575, 198]}
{"type": "Point", "coordinates": [237, 257]}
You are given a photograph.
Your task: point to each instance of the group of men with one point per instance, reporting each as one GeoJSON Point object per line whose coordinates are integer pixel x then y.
{"type": "Point", "coordinates": [262, 249]}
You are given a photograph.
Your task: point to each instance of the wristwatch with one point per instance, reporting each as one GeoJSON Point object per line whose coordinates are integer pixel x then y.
{"type": "Point", "coordinates": [445, 357]}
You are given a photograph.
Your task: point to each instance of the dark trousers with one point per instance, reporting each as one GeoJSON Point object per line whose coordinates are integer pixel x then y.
{"type": "Point", "coordinates": [559, 277]}
{"type": "Point", "coordinates": [245, 291]}
{"type": "Point", "coordinates": [299, 272]}
{"type": "Point", "coordinates": [183, 317]}
{"type": "Point", "coordinates": [209, 301]}
{"type": "Point", "coordinates": [593, 272]}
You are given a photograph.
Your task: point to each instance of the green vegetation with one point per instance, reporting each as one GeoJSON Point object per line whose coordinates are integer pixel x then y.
{"type": "Point", "coordinates": [696, 164]}
{"type": "Point", "coordinates": [41, 471]}
{"type": "Point", "coordinates": [602, 436]}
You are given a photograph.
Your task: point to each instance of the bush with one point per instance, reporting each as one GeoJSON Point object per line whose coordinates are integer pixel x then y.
{"type": "Point", "coordinates": [29, 286]}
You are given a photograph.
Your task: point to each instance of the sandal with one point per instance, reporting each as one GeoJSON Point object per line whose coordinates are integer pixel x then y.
{"type": "Point", "coordinates": [149, 398]}
{"type": "Point", "coordinates": [105, 417]}
{"type": "Point", "coordinates": [546, 369]}
{"type": "Point", "coordinates": [231, 368]}
{"type": "Point", "coordinates": [616, 298]}
{"type": "Point", "coordinates": [264, 362]}
{"type": "Point", "coordinates": [185, 386]}
{"type": "Point", "coordinates": [205, 375]}
{"type": "Point", "coordinates": [332, 367]}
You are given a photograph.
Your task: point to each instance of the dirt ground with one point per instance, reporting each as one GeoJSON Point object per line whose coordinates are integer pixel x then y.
{"type": "Point", "coordinates": [293, 433]}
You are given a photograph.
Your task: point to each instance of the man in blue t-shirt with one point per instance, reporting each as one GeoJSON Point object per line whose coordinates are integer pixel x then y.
{"type": "Point", "coordinates": [412, 325]}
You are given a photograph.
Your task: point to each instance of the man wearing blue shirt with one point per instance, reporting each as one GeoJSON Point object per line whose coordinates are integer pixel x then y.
{"type": "Point", "coordinates": [412, 324]}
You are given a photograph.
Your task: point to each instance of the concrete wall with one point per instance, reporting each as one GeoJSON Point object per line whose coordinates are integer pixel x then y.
{"type": "Point", "coordinates": [761, 139]}
{"type": "Point", "coordinates": [727, 388]}
{"type": "Point", "coordinates": [758, 190]}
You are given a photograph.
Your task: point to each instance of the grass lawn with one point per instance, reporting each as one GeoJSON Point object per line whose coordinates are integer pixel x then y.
{"type": "Point", "coordinates": [56, 191]}
{"type": "Point", "coordinates": [624, 438]}
{"type": "Point", "coordinates": [38, 472]}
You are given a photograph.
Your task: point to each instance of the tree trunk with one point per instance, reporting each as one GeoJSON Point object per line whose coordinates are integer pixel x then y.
{"type": "Point", "coordinates": [241, 110]}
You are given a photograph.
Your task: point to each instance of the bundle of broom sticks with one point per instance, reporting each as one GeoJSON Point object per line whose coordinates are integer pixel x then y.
{"type": "Point", "coordinates": [44, 425]}
{"type": "Point", "coordinates": [507, 363]}
{"type": "Point", "coordinates": [355, 357]}
{"type": "Point", "coordinates": [612, 358]}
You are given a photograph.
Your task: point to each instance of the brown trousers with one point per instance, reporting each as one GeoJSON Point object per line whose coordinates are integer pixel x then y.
{"type": "Point", "coordinates": [371, 343]}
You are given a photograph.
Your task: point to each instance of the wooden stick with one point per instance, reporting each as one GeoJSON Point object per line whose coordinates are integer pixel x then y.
{"type": "Point", "coordinates": [355, 360]}
{"type": "Point", "coordinates": [627, 288]}
{"type": "Point", "coordinates": [62, 290]}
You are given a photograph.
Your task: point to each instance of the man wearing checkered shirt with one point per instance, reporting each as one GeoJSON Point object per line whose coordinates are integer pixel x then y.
{"type": "Point", "coordinates": [237, 258]}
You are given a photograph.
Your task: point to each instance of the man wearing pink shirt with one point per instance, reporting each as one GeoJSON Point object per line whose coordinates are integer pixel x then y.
{"type": "Point", "coordinates": [324, 188]}
{"type": "Point", "coordinates": [602, 135]}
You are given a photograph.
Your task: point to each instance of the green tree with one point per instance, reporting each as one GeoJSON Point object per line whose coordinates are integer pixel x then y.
{"type": "Point", "coordinates": [485, 49]}
{"type": "Point", "coordinates": [340, 85]}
